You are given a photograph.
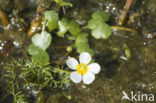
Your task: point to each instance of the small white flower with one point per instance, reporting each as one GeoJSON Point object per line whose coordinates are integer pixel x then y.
{"type": "Point", "coordinates": [84, 71]}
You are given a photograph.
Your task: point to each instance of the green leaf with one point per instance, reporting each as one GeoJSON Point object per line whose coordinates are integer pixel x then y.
{"type": "Point", "coordinates": [67, 4]}
{"type": "Point", "coordinates": [82, 45]}
{"type": "Point", "coordinates": [39, 55]}
{"type": "Point", "coordinates": [33, 50]}
{"type": "Point", "coordinates": [41, 58]}
{"type": "Point", "coordinates": [82, 38]}
{"type": "Point", "coordinates": [63, 27]}
{"type": "Point", "coordinates": [101, 31]}
{"type": "Point", "coordinates": [71, 37]}
{"type": "Point", "coordinates": [93, 23]}
{"type": "Point", "coordinates": [52, 19]}
{"type": "Point", "coordinates": [91, 51]}
{"type": "Point", "coordinates": [62, 3]}
{"type": "Point", "coordinates": [74, 27]}
{"type": "Point", "coordinates": [42, 40]}
{"type": "Point", "coordinates": [98, 26]}
{"type": "Point", "coordinates": [100, 15]}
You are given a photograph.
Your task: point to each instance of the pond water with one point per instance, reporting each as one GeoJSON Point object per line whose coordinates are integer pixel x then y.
{"type": "Point", "coordinates": [137, 74]}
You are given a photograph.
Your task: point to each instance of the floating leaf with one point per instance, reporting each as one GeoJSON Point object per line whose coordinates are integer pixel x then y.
{"type": "Point", "coordinates": [102, 30]}
{"type": "Point", "coordinates": [62, 3]}
{"type": "Point", "coordinates": [98, 26]}
{"type": "Point", "coordinates": [93, 23]}
{"type": "Point", "coordinates": [82, 37]}
{"type": "Point", "coordinates": [38, 55]}
{"type": "Point", "coordinates": [42, 40]}
{"type": "Point", "coordinates": [52, 19]}
{"type": "Point", "coordinates": [42, 58]}
{"type": "Point", "coordinates": [74, 27]}
{"type": "Point", "coordinates": [100, 15]}
{"type": "Point", "coordinates": [82, 45]}
{"type": "Point", "coordinates": [71, 37]}
{"type": "Point", "coordinates": [63, 27]}
{"type": "Point", "coordinates": [33, 50]}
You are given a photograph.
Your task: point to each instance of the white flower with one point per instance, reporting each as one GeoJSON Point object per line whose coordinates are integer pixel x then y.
{"type": "Point", "coordinates": [84, 71]}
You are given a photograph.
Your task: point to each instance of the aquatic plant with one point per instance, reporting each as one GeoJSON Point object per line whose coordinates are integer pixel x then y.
{"type": "Point", "coordinates": [19, 73]}
{"type": "Point", "coordinates": [100, 29]}
{"type": "Point", "coordinates": [84, 71]}
{"type": "Point", "coordinates": [98, 25]}
{"type": "Point", "coordinates": [37, 70]}
{"type": "Point", "coordinates": [12, 81]}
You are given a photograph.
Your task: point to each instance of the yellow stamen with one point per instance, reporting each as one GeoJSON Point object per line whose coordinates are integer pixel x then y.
{"type": "Point", "coordinates": [82, 68]}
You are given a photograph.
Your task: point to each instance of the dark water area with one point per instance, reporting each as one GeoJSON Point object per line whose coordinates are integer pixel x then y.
{"type": "Point", "coordinates": [118, 74]}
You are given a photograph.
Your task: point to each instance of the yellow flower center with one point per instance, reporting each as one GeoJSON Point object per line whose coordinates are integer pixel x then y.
{"type": "Point", "coordinates": [82, 68]}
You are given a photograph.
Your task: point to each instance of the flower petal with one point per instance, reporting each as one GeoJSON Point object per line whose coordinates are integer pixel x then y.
{"type": "Point", "coordinates": [75, 77]}
{"type": "Point", "coordinates": [94, 68]}
{"type": "Point", "coordinates": [72, 63]}
{"type": "Point", "coordinates": [88, 78]}
{"type": "Point", "coordinates": [84, 57]}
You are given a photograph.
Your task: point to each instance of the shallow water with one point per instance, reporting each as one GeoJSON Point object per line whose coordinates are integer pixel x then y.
{"type": "Point", "coordinates": [118, 73]}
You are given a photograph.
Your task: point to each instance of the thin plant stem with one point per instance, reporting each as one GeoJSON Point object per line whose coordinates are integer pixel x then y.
{"type": "Point", "coordinates": [61, 70]}
{"type": "Point", "coordinates": [124, 12]}
{"type": "Point", "coordinates": [36, 21]}
{"type": "Point", "coordinates": [3, 19]}
{"type": "Point", "coordinates": [44, 25]}
{"type": "Point", "coordinates": [123, 29]}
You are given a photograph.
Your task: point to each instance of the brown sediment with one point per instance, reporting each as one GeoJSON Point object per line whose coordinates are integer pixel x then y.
{"type": "Point", "coordinates": [19, 4]}
{"type": "Point", "coordinates": [7, 48]}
